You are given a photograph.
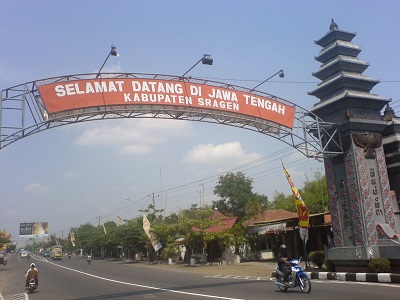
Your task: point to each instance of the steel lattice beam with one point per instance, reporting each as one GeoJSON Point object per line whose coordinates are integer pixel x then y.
{"type": "Point", "coordinates": [22, 116]}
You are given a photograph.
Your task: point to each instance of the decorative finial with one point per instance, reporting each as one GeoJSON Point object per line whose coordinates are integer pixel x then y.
{"type": "Point", "coordinates": [333, 26]}
{"type": "Point", "coordinates": [388, 114]}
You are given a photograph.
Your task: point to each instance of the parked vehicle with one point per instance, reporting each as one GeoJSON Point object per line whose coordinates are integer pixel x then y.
{"type": "Point", "coordinates": [297, 278]}
{"type": "Point", "coordinates": [56, 252]}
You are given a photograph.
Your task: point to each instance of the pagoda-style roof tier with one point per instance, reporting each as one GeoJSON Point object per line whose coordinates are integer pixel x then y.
{"type": "Point", "coordinates": [358, 100]}
{"type": "Point", "coordinates": [338, 48]}
{"type": "Point", "coordinates": [341, 63]}
{"type": "Point", "coordinates": [335, 35]}
{"type": "Point", "coordinates": [344, 81]}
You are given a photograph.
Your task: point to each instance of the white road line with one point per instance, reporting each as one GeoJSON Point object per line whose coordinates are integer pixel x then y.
{"type": "Point", "coordinates": [237, 277]}
{"type": "Point", "coordinates": [144, 286]}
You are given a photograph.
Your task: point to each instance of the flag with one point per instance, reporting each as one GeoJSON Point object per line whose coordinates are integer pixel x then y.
{"type": "Point", "coordinates": [3, 233]}
{"type": "Point", "coordinates": [9, 236]}
{"type": "Point", "coordinates": [302, 210]}
{"type": "Point", "coordinates": [72, 238]}
{"type": "Point", "coordinates": [120, 220]}
{"type": "Point", "coordinates": [146, 227]}
{"type": "Point", "coordinates": [105, 231]}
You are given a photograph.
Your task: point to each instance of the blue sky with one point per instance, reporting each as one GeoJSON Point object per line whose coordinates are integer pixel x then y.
{"type": "Point", "coordinates": [81, 173]}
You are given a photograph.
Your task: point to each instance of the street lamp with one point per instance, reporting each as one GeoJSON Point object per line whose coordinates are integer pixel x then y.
{"type": "Point", "coordinates": [281, 75]}
{"type": "Point", "coordinates": [112, 52]}
{"type": "Point", "coordinates": [205, 60]}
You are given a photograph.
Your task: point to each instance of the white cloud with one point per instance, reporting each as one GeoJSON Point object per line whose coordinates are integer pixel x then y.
{"type": "Point", "coordinates": [36, 188]}
{"type": "Point", "coordinates": [133, 136]}
{"type": "Point", "coordinates": [220, 155]}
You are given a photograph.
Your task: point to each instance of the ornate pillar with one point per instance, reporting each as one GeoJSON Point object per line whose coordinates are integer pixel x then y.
{"type": "Point", "coordinates": [363, 218]}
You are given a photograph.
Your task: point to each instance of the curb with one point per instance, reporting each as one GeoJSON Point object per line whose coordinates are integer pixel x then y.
{"type": "Point", "coordinates": [362, 277]}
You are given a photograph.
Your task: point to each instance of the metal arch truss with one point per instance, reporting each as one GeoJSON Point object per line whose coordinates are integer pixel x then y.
{"type": "Point", "coordinates": [22, 115]}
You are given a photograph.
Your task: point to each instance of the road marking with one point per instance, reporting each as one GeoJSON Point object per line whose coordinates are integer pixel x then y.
{"type": "Point", "coordinates": [144, 286]}
{"type": "Point", "coordinates": [237, 277]}
{"type": "Point", "coordinates": [21, 296]}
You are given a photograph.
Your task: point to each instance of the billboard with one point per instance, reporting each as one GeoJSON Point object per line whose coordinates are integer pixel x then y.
{"type": "Point", "coordinates": [33, 229]}
{"type": "Point", "coordinates": [77, 94]}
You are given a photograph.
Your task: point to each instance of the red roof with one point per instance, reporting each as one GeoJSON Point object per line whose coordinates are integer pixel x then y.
{"type": "Point", "coordinates": [223, 224]}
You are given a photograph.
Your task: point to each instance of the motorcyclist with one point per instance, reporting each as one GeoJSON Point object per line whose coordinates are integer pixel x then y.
{"type": "Point", "coordinates": [283, 262]}
{"type": "Point", "coordinates": [32, 273]}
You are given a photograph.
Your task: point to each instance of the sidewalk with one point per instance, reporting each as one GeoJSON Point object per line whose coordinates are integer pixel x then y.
{"type": "Point", "coordinates": [266, 270]}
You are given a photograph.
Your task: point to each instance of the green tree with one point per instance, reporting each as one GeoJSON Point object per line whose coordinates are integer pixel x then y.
{"type": "Point", "coordinates": [237, 197]}
{"type": "Point", "coordinates": [280, 201]}
{"type": "Point", "coordinates": [315, 194]}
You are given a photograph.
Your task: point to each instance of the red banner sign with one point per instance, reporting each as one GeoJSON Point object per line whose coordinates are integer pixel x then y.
{"type": "Point", "coordinates": [69, 95]}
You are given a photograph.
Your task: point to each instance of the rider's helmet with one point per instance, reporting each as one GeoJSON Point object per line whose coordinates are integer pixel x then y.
{"type": "Point", "coordinates": [33, 265]}
{"type": "Point", "coordinates": [283, 249]}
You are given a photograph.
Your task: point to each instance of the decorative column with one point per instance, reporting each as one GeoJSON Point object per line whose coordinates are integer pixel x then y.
{"type": "Point", "coordinates": [363, 221]}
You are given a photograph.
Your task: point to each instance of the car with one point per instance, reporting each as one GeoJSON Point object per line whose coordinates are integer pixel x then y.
{"type": "Point", "coordinates": [24, 254]}
{"type": "Point", "coordinates": [46, 254]}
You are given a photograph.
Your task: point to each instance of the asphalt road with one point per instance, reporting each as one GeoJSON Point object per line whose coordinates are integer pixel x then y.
{"type": "Point", "coordinates": [75, 279]}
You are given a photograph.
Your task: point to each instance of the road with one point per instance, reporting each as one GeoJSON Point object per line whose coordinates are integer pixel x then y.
{"type": "Point", "coordinates": [75, 279]}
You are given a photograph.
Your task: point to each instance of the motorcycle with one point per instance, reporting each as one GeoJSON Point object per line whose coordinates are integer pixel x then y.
{"type": "Point", "coordinates": [89, 259]}
{"type": "Point", "coordinates": [297, 278]}
{"type": "Point", "coordinates": [31, 285]}
{"type": "Point", "coordinates": [69, 256]}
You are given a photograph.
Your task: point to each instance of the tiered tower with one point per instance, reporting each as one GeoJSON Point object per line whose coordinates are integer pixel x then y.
{"type": "Point", "coordinates": [361, 202]}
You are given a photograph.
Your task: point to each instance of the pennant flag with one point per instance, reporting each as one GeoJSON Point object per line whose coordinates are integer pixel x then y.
{"type": "Point", "coordinates": [302, 210]}
{"type": "Point", "coordinates": [72, 238]}
{"type": "Point", "coordinates": [105, 231]}
{"type": "Point", "coordinates": [146, 227]}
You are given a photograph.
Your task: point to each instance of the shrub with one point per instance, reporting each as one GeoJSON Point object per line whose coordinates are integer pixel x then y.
{"type": "Point", "coordinates": [329, 265]}
{"type": "Point", "coordinates": [379, 265]}
{"type": "Point", "coordinates": [317, 258]}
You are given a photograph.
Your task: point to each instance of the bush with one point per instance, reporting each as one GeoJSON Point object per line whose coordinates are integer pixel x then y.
{"type": "Point", "coordinates": [379, 265]}
{"type": "Point", "coordinates": [329, 265]}
{"type": "Point", "coordinates": [317, 258]}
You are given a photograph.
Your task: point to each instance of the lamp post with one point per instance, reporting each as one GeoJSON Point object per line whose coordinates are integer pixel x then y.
{"type": "Point", "coordinates": [281, 75]}
{"type": "Point", "coordinates": [113, 52]}
{"type": "Point", "coordinates": [205, 60]}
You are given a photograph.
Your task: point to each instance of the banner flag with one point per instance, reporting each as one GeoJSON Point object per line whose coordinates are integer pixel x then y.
{"type": "Point", "coordinates": [105, 231]}
{"type": "Point", "coordinates": [72, 237]}
{"type": "Point", "coordinates": [119, 220]}
{"type": "Point", "coordinates": [302, 210]}
{"type": "Point", "coordinates": [146, 227]}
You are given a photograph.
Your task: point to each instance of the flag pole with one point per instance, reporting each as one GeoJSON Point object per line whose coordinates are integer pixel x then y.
{"type": "Point", "coordinates": [302, 212]}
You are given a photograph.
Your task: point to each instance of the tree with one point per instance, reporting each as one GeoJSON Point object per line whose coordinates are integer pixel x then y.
{"type": "Point", "coordinates": [315, 194]}
{"type": "Point", "coordinates": [283, 202]}
{"type": "Point", "coordinates": [237, 197]}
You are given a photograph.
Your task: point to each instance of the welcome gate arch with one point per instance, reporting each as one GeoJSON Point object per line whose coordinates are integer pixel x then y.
{"type": "Point", "coordinates": [43, 104]}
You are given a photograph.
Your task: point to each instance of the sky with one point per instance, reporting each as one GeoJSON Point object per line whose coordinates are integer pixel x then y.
{"type": "Point", "coordinates": [95, 171]}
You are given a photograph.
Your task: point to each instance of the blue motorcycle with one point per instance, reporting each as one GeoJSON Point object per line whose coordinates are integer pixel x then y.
{"type": "Point", "coordinates": [297, 278]}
